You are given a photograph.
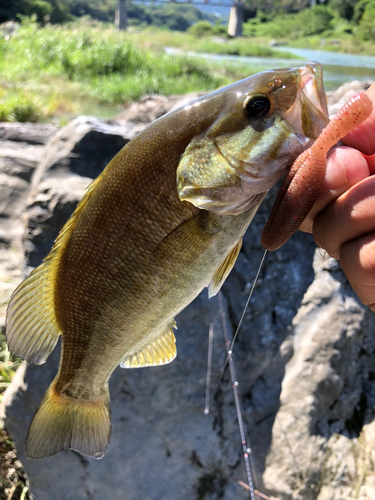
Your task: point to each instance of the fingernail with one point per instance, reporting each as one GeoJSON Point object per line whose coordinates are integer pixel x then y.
{"type": "Point", "coordinates": [336, 171]}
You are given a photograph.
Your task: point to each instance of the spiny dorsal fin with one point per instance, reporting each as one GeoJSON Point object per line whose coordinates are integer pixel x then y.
{"type": "Point", "coordinates": [159, 351]}
{"type": "Point", "coordinates": [225, 268]}
{"type": "Point", "coordinates": [31, 328]}
{"type": "Point", "coordinates": [69, 225]}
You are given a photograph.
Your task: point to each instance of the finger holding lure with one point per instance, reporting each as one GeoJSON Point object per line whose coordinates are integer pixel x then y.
{"type": "Point", "coordinates": [343, 218]}
{"type": "Point", "coordinates": [304, 180]}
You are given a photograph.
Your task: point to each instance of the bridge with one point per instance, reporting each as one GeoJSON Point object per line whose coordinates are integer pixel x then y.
{"type": "Point", "coordinates": [236, 9]}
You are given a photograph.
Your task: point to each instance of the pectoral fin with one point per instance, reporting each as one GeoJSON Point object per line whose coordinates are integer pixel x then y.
{"type": "Point", "coordinates": [225, 268]}
{"type": "Point", "coordinates": [159, 351]}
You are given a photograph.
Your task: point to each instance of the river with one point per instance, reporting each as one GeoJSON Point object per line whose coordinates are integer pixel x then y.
{"type": "Point", "coordinates": [337, 68]}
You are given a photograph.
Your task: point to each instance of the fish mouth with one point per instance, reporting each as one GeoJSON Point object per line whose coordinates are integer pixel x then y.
{"type": "Point", "coordinates": [308, 115]}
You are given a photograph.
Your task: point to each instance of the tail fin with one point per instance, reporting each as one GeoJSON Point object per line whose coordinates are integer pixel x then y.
{"type": "Point", "coordinates": [64, 423]}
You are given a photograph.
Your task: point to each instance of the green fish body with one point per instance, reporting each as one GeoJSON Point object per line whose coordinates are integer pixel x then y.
{"type": "Point", "coordinates": [164, 220]}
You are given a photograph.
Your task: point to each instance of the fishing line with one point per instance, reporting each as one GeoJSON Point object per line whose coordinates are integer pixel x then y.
{"type": "Point", "coordinates": [240, 322]}
{"type": "Point", "coordinates": [248, 300]}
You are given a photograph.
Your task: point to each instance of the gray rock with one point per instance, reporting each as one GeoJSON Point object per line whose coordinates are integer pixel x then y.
{"type": "Point", "coordinates": [21, 147]}
{"type": "Point", "coordinates": [327, 391]}
{"type": "Point", "coordinates": [337, 98]}
{"type": "Point", "coordinates": [8, 29]}
{"type": "Point", "coordinates": [151, 107]}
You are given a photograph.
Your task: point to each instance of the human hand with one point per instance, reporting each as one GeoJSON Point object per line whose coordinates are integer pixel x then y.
{"type": "Point", "coordinates": [343, 217]}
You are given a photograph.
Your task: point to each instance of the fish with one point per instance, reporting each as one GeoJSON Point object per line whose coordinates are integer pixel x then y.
{"type": "Point", "coordinates": [164, 220]}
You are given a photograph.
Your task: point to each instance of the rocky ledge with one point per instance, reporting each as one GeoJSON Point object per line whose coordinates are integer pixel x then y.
{"type": "Point", "coordinates": [304, 356]}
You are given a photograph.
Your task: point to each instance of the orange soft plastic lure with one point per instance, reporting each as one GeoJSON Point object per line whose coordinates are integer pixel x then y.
{"type": "Point", "coordinates": [302, 183]}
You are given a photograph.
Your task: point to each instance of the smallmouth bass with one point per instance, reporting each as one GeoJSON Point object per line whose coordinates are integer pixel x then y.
{"type": "Point", "coordinates": [164, 220]}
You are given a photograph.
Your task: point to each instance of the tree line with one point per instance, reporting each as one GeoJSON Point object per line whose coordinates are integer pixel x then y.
{"type": "Point", "coordinates": [57, 11]}
{"type": "Point", "coordinates": [171, 16]}
{"type": "Point", "coordinates": [175, 16]}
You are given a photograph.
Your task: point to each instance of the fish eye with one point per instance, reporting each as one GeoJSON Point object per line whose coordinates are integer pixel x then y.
{"type": "Point", "coordinates": [256, 106]}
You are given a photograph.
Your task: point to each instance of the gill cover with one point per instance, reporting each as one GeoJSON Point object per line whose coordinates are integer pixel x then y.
{"type": "Point", "coordinates": [265, 122]}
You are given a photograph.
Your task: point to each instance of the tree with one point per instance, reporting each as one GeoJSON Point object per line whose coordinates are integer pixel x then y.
{"type": "Point", "coordinates": [103, 10]}
{"type": "Point", "coordinates": [366, 15]}
{"type": "Point", "coordinates": [345, 8]}
{"type": "Point", "coordinates": [56, 10]}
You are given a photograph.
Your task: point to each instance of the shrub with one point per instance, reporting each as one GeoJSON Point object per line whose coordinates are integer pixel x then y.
{"type": "Point", "coordinates": [344, 8]}
{"type": "Point", "coordinates": [360, 9]}
{"type": "Point", "coordinates": [220, 29]}
{"type": "Point", "coordinates": [20, 108]}
{"type": "Point", "coordinates": [201, 28]}
{"type": "Point", "coordinates": [366, 26]}
{"type": "Point", "coordinates": [308, 22]}
{"type": "Point", "coordinates": [314, 21]}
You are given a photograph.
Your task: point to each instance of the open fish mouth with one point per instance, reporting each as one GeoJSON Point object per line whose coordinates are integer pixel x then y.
{"type": "Point", "coordinates": [306, 118]}
{"type": "Point", "coordinates": [309, 113]}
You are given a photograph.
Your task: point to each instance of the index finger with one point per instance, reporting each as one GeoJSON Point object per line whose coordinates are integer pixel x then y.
{"type": "Point", "coordinates": [362, 137]}
{"type": "Point", "coordinates": [345, 168]}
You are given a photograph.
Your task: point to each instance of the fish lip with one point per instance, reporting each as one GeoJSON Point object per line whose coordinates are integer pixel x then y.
{"type": "Point", "coordinates": [310, 103]}
{"type": "Point", "coordinates": [312, 73]}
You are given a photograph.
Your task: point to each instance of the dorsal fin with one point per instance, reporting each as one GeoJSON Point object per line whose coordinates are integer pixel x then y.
{"type": "Point", "coordinates": [224, 269]}
{"type": "Point", "coordinates": [159, 351]}
{"type": "Point", "coordinates": [31, 328]}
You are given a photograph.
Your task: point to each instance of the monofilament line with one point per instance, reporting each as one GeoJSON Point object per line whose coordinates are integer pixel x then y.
{"type": "Point", "coordinates": [209, 369]}
{"type": "Point", "coordinates": [244, 441]}
{"type": "Point", "coordinates": [240, 322]}
{"type": "Point", "coordinates": [248, 300]}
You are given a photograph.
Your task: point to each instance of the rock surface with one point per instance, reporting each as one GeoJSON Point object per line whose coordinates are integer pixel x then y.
{"type": "Point", "coordinates": [21, 148]}
{"type": "Point", "coordinates": [304, 360]}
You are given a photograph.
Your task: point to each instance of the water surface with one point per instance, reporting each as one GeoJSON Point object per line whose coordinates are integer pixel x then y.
{"type": "Point", "coordinates": [337, 68]}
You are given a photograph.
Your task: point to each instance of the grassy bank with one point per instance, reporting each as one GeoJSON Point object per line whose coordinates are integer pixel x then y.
{"type": "Point", "coordinates": [88, 67]}
{"type": "Point", "coordinates": [51, 71]}
{"type": "Point", "coordinates": [156, 40]}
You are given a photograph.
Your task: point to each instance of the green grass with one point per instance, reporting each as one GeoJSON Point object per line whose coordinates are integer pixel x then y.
{"type": "Point", "coordinates": [240, 47]}
{"type": "Point", "coordinates": [51, 71]}
{"type": "Point", "coordinates": [8, 366]}
{"type": "Point", "coordinates": [158, 39]}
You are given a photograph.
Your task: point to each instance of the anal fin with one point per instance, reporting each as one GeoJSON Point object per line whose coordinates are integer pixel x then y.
{"type": "Point", "coordinates": [224, 269]}
{"type": "Point", "coordinates": [159, 351]}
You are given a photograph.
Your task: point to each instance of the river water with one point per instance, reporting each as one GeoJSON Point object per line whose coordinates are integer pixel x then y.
{"type": "Point", "coordinates": [337, 68]}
